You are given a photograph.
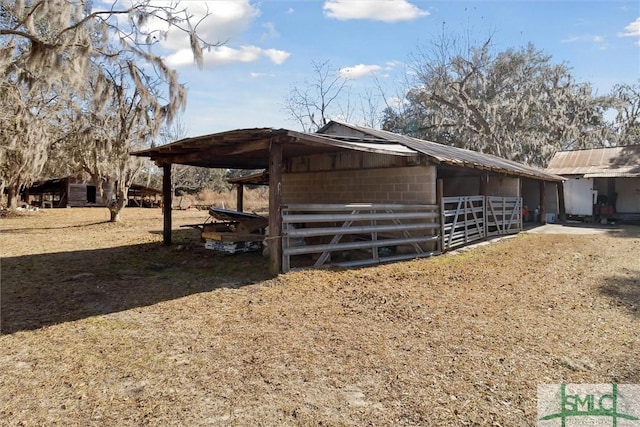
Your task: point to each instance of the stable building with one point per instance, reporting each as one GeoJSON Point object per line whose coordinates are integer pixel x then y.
{"type": "Point", "coordinates": [351, 195]}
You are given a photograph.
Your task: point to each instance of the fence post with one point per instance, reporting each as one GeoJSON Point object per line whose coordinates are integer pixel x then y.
{"type": "Point", "coordinates": [439, 197]}
{"type": "Point", "coordinates": [485, 214]}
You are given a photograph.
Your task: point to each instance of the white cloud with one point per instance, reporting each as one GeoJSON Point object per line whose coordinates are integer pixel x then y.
{"type": "Point", "coordinates": [270, 31]}
{"type": "Point", "coordinates": [259, 75]}
{"type": "Point", "coordinates": [358, 71]}
{"type": "Point", "coordinates": [277, 56]}
{"type": "Point", "coordinates": [223, 55]}
{"type": "Point", "coordinates": [290, 11]}
{"type": "Point", "coordinates": [390, 65]}
{"type": "Point", "coordinates": [217, 21]}
{"type": "Point", "coordinates": [379, 10]}
{"type": "Point", "coordinates": [598, 41]}
{"type": "Point", "coordinates": [631, 30]}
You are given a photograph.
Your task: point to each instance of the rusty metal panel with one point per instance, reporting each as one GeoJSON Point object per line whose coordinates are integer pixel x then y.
{"type": "Point", "coordinates": [612, 162]}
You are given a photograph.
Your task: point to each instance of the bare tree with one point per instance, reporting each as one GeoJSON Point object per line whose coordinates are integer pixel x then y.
{"type": "Point", "coordinates": [312, 103]}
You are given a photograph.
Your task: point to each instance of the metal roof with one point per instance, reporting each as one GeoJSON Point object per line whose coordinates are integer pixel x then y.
{"type": "Point", "coordinates": [447, 154]}
{"type": "Point", "coordinates": [609, 162]}
{"type": "Point", "coordinates": [249, 149]}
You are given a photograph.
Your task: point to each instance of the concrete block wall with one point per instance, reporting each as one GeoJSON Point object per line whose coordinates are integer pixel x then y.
{"type": "Point", "coordinates": [503, 186]}
{"type": "Point", "coordinates": [461, 186]}
{"type": "Point", "coordinates": [406, 185]}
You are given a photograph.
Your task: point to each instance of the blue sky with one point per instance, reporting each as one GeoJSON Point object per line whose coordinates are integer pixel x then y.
{"type": "Point", "coordinates": [270, 46]}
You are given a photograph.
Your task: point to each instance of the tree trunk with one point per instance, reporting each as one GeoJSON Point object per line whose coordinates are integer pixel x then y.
{"type": "Point", "coordinates": [116, 206]}
{"type": "Point", "coordinates": [12, 196]}
{"type": "Point", "coordinates": [114, 213]}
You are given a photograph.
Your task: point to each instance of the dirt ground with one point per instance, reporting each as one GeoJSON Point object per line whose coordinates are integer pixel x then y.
{"type": "Point", "coordinates": [102, 325]}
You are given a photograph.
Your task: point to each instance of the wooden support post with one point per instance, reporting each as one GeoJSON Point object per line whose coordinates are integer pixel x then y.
{"type": "Point", "coordinates": [167, 202]}
{"type": "Point", "coordinates": [239, 197]}
{"type": "Point", "coordinates": [275, 208]}
{"type": "Point", "coordinates": [561, 206]}
{"type": "Point", "coordinates": [484, 184]}
{"type": "Point", "coordinates": [439, 195]}
{"type": "Point", "coordinates": [543, 203]}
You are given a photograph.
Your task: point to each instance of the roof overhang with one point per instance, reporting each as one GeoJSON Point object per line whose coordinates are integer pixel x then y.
{"type": "Point", "coordinates": [249, 148]}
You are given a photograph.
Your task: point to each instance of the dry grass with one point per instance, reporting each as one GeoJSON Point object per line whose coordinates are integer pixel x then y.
{"type": "Point", "coordinates": [100, 332]}
{"type": "Point", "coordinates": [255, 200]}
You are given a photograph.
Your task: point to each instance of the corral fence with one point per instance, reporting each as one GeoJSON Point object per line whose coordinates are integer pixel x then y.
{"type": "Point", "coordinates": [471, 218]}
{"type": "Point", "coordinates": [359, 234]}
{"type": "Point", "coordinates": [362, 233]}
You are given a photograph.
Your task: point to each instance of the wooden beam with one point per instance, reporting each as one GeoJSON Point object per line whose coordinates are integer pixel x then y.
{"type": "Point", "coordinates": [218, 160]}
{"type": "Point", "coordinates": [275, 208]}
{"type": "Point", "coordinates": [167, 201]}
{"type": "Point", "coordinates": [561, 205]}
{"type": "Point", "coordinates": [239, 197]}
{"type": "Point", "coordinates": [439, 195]}
{"type": "Point", "coordinates": [484, 184]}
{"type": "Point", "coordinates": [543, 203]}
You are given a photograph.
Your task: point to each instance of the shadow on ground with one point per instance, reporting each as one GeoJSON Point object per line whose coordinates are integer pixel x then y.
{"type": "Point", "coordinates": [43, 290]}
{"type": "Point", "coordinates": [27, 230]}
{"type": "Point", "coordinates": [624, 290]}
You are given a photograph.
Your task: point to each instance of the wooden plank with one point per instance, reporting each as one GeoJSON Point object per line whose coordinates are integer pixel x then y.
{"type": "Point", "coordinates": [228, 236]}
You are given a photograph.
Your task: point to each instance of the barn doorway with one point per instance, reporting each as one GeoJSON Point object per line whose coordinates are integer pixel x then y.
{"type": "Point", "coordinates": [91, 193]}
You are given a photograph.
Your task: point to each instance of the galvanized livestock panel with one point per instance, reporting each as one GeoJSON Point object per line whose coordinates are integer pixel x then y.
{"type": "Point", "coordinates": [471, 218]}
{"type": "Point", "coordinates": [462, 220]}
{"type": "Point", "coordinates": [503, 215]}
{"type": "Point", "coordinates": [359, 234]}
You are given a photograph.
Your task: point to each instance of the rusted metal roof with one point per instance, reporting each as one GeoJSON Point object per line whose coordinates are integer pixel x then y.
{"type": "Point", "coordinates": [249, 149]}
{"type": "Point", "coordinates": [440, 153]}
{"type": "Point", "coordinates": [609, 162]}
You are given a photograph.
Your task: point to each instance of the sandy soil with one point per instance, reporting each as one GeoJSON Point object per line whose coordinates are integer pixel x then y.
{"type": "Point", "coordinates": [102, 325]}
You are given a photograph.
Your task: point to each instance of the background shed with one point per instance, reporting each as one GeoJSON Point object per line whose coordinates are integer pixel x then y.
{"type": "Point", "coordinates": [602, 183]}
{"type": "Point", "coordinates": [75, 191]}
